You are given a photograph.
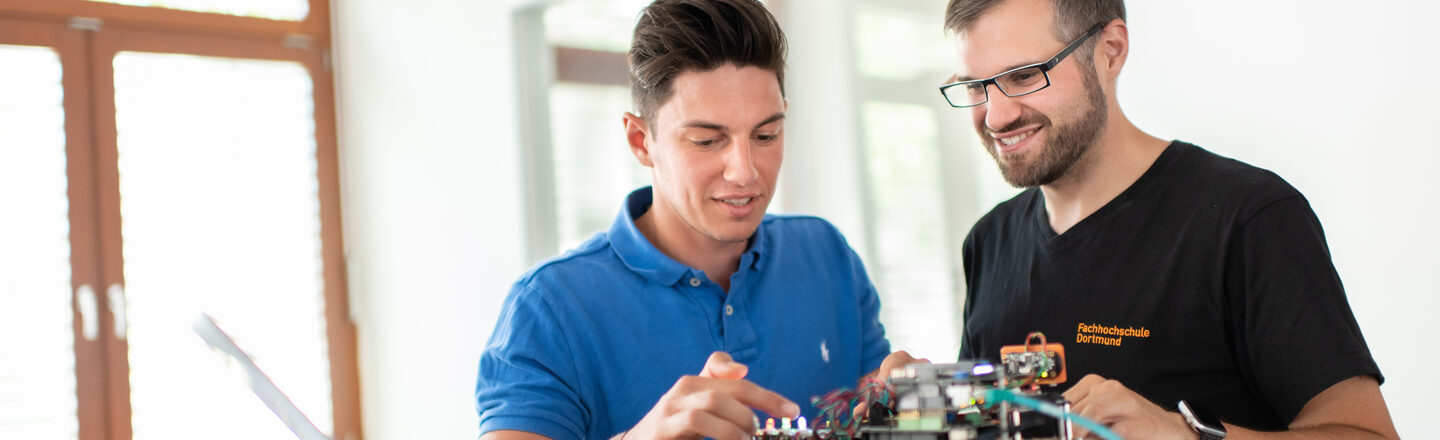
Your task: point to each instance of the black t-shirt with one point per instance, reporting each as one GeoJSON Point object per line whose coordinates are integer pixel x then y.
{"type": "Point", "coordinates": [1207, 280]}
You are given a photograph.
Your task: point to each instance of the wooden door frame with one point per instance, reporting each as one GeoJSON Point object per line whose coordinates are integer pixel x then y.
{"type": "Point", "coordinates": [316, 24]}
{"type": "Point", "coordinates": [70, 48]}
{"type": "Point", "coordinates": [87, 49]}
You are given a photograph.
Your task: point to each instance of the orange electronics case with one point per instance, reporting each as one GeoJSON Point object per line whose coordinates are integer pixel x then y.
{"type": "Point", "coordinates": [1059, 351]}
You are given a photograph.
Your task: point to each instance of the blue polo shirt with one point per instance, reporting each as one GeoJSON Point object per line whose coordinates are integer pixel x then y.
{"type": "Point", "coordinates": [588, 341]}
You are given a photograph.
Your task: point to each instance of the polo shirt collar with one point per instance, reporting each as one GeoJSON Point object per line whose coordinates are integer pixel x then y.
{"type": "Point", "coordinates": [643, 258]}
{"type": "Point", "coordinates": [758, 247]}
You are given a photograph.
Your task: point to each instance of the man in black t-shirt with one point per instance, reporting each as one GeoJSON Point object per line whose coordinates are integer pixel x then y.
{"type": "Point", "coordinates": [1175, 277]}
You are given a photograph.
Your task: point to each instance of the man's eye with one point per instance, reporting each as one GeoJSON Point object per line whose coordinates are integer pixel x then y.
{"type": "Point", "coordinates": [766, 138]}
{"type": "Point", "coordinates": [1031, 77]}
{"type": "Point", "coordinates": [704, 142]}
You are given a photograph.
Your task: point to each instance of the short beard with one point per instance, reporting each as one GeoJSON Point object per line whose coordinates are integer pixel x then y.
{"type": "Point", "coordinates": [1065, 146]}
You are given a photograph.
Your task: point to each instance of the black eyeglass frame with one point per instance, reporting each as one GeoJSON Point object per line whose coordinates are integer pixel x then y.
{"type": "Point", "coordinates": [1043, 66]}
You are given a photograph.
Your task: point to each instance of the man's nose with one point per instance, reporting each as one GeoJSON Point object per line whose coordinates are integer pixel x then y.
{"type": "Point", "coordinates": [740, 163]}
{"type": "Point", "coordinates": [1000, 110]}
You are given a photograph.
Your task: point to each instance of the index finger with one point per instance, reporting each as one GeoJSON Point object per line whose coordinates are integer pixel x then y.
{"type": "Point", "coordinates": [757, 397]}
{"type": "Point", "coordinates": [1081, 390]}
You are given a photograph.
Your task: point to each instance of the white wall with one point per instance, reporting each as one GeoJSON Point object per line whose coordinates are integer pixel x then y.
{"type": "Point", "coordinates": [1338, 98]}
{"type": "Point", "coordinates": [432, 198]}
{"type": "Point", "coordinates": [430, 177]}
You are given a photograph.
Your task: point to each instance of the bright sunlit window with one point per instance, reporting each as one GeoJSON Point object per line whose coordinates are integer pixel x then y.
{"type": "Point", "coordinates": [221, 214]}
{"type": "Point", "coordinates": [913, 256]}
{"type": "Point", "coordinates": [593, 24]}
{"type": "Point", "coordinates": [899, 45]}
{"type": "Point", "coordinates": [594, 169]}
{"type": "Point", "coordinates": [37, 381]}
{"type": "Point", "coordinates": [290, 10]}
{"type": "Point", "coordinates": [900, 55]}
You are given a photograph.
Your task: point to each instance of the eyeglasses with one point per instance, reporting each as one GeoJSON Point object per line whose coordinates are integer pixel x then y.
{"type": "Point", "coordinates": [1019, 81]}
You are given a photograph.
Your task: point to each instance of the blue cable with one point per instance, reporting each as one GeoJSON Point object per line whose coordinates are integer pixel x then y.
{"type": "Point", "coordinates": [999, 395]}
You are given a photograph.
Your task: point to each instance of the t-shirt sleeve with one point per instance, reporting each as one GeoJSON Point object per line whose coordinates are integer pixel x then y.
{"type": "Point", "coordinates": [527, 381]}
{"type": "Point", "coordinates": [1298, 334]}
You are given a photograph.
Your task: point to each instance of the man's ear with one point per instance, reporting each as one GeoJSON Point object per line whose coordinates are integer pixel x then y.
{"type": "Point", "coordinates": [1111, 49]}
{"type": "Point", "coordinates": [637, 133]}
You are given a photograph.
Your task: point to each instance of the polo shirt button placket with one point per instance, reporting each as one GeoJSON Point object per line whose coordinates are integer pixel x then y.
{"type": "Point", "coordinates": [729, 310]}
{"type": "Point", "coordinates": [694, 282]}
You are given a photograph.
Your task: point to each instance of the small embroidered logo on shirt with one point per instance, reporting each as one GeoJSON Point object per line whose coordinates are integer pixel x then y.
{"type": "Point", "coordinates": [824, 352]}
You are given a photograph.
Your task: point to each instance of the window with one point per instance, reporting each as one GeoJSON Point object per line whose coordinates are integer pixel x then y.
{"type": "Point", "coordinates": [292, 10]}
{"type": "Point", "coordinates": [604, 25]}
{"type": "Point", "coordinates": [594, 170]}
{"type": "Point", "coordinates": [928, 179]}
{"type": "Point", "coordinates": [37, 372]}
{"type": "Point", "coordinates": [157, 173]}
{"type": "Point", "coordinates": [579, 168]}
{"type": "Point", "coordinates": [239, 133]}
{"type": "Point", "coordinates": [913, 262]}
{"type": "Point", "coordinates": [914, 227]}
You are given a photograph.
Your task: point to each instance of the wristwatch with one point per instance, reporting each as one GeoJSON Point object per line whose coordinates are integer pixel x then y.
{"type": "Point", "coordinates": [1202, 421]}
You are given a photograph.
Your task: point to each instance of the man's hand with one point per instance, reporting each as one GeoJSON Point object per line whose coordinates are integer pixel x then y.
{"type": "Point", "coordinates": [894, 360]}
{"type": "Point", "coordinates": [715, 404]}
{"type": "Point", "coordinates": [1130, 415]}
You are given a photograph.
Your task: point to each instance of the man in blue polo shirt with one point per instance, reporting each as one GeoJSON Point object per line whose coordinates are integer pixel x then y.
{"type": "Point", "coordinates": [695, 308]}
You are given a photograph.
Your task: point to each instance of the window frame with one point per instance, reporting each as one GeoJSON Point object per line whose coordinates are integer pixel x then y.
{"type": "Point", "coordinates": [86, 36]}
{"type": "Point", "coordinates": [84, 258]}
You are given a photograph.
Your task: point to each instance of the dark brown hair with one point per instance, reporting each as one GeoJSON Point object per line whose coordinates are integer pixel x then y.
{"type": "Point", "coordinates": [1072, 17]}
{"type": "Point", "coordinates": [678, 36]}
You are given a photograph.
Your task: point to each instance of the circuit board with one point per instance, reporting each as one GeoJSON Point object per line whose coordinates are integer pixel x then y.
{"type": "Point", "coordinates": [966, 400]}
{"type": "Point", "coordinates": [1044, 363]}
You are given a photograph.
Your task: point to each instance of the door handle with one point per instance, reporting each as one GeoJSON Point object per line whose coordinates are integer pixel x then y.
{"type": "Point", "coordinates": [116, 296]}
{"type": "Point", "coordinates": [89, 312]}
